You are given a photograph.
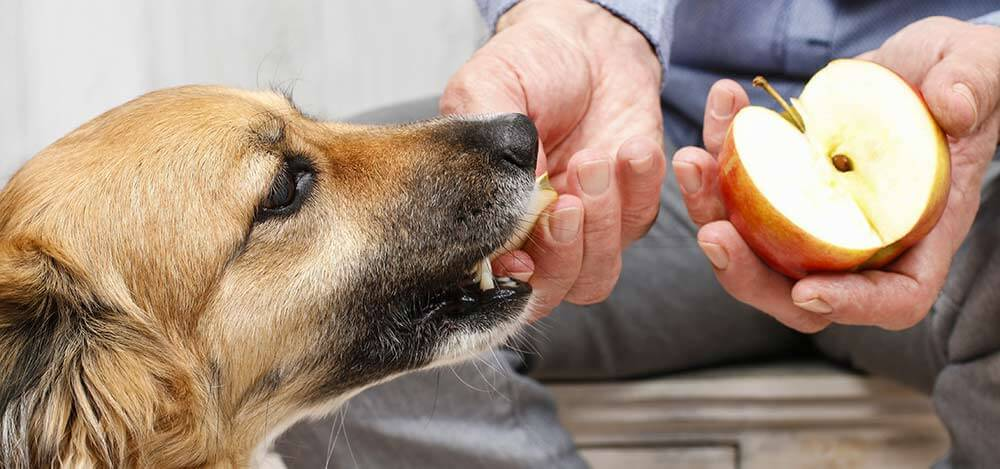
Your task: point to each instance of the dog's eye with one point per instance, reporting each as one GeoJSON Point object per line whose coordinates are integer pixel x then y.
{"type": "Point", "coordinates": [289, 189]}
{"type": "Point", "coordinates": [282, 192]}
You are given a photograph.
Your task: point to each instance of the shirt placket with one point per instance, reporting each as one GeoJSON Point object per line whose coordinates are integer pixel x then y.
{"type": "Point", "coordinates": [809, 32]}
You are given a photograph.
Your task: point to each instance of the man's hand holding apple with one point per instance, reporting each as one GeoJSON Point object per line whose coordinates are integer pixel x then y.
{"type": "Point", "coordinates": [956, 67]}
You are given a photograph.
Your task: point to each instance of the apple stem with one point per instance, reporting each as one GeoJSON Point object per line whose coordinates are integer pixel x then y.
{"type": "Point", "coordinates": [796, 118]}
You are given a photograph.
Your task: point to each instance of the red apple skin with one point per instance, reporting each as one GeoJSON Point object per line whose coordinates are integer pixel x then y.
{"type": "Point", "coordinates": [781, 244]}
{"type": "Point", "coordinates": [795, 253]}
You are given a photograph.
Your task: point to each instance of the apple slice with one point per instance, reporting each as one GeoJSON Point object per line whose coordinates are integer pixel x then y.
{"type": "Point", "coordinates": [852, 174]}
{"type": "Point", "coordinates": [543, 195]}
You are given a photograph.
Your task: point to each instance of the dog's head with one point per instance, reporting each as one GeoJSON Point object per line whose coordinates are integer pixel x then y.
{"type": "Point", "coordinates": [191, 271]}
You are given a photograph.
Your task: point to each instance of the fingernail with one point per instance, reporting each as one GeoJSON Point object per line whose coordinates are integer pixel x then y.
{"type": "Point", "coordinates": [564, 224]}
{"type": "Point", "coordinates": [816, 305]}
{"type": "Point", "coordinates": [721, 106]}
{"type": "Point", "coordinates": [595, 176]}
{"type": "Point", "coordinates": [641, 165]}
{"type": "Point", "coordinates": [688, 176]}
{"type": "Point", "coordinates": [716, 255]}
{"type": "Point", "coordinates": [965, 92]}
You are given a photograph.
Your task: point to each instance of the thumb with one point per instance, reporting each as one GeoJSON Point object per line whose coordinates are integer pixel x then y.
{"type": "Point", "coordinates": [963, 90]}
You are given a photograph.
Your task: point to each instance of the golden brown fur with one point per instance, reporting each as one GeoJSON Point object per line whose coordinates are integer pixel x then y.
{"type": "Point", "coordinates": [149, 319]}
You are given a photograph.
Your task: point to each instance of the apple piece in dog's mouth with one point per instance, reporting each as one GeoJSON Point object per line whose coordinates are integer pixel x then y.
{"type": "Point", "coordinates": [542, 196]}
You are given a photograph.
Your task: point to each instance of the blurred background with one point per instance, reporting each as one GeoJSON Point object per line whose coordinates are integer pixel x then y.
{"type": "Point", "coordinates": [64, 62]}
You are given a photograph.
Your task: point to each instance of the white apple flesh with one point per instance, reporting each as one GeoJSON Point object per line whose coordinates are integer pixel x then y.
{"type": "Point", "coordinates": [866, 176]}
{"type": "Point", "coordinates": [543, 195]}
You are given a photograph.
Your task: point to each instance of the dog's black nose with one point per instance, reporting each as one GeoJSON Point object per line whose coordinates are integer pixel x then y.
{"type": "Point", "coordinates": [516, 139]}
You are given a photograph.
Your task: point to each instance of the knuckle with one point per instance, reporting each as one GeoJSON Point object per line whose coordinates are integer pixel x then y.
{"type": "Point", "coordinates": [700, 216]}
{"type": "Point", "coordinates": [601, 225]}
{"type": "Point", "coordinates": [907, 321]}
{"type": "Point", "coordinates": [450, 102]}
{"type": "Point", "coordinates": [713, 139]}
{"type": "Point", "coordinates": [586, 299]}
{"type": "Point", "coordinates": [641, 217]}
{"type": "Point", "coordinates": [455, 95]}
{"type": "Point", "coordinates": [735, 288]}
{"type": "Point", "coordinates": [588, 293]}
{"type": "Point", "coordinates": [640, 226]}
{"type": "Point", "coordinates": [910, 317]}
{"type": "Point", "coordinates": [595, 289]}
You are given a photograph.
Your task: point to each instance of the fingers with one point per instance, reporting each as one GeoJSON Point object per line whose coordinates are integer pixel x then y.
{"type": "Point", "coordinates": [697, 175]}
{"type": "Point", "coordinates": [963, 89]}
{"type": "Point", "coordinates": [556, 249]}
{"type": "Point", "coordinates": [747, 279]}
{"type": "Point", "coordinates": [590, 177]}
{"type": "Point", "coordinates": [725, 99]}
{"type": "Point", "coordinates": [515, 264]}
{"type": "Point", "coordinates": [872, 298]}
{"type": "Point", "coordinates": [697, 170]}
{"type": "Point", "coordinates": [640, 169]}
{"type": "Point", "coordinates": [898, 296]}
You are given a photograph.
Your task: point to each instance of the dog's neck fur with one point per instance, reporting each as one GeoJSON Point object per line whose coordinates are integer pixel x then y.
{"type": "Point", "coordinates": [129, 408]}
{"type": "Point", "coordinates": [90, 383]}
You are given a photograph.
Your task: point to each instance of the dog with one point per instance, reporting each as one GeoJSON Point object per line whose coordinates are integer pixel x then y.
{"type": "Point", "coordinates": [188, 274]}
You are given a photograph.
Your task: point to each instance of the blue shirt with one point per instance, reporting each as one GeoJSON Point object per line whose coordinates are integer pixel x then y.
{"type": "Point", "coordinates": [701, 41]}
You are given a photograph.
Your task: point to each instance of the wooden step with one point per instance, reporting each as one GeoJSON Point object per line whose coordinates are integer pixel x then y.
{"type": "Point", "coordinates": [773, 416]}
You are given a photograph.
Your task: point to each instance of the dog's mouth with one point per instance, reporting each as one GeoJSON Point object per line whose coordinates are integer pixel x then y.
{"type": "Point", "coordinates": [468, 297]}
{"type": "Point", "coordinates": [481, 290]}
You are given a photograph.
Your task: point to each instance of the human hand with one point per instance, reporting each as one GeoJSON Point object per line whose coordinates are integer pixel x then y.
{"type": "Point", "coordinates": [591, 83]}
{"type": "Point", "coordinates": [956, 66]}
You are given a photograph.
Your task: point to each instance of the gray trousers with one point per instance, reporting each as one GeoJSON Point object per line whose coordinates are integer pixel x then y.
{"type": "Point", "coordinates": [667, 314]}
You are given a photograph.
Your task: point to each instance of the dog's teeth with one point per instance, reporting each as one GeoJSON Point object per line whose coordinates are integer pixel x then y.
{"type": "Point", "coordinates": [505, 282]}
{"type": "Point", "coordinates": [485, 275]}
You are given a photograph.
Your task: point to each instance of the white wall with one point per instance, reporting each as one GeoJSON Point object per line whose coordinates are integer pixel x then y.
{"type": "Point", "coordinates": [63, 62]}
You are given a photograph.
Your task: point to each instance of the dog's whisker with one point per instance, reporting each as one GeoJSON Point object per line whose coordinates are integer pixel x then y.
{"type": "Point", "coordinates": [347, 437]}
{"type": "Point", "coordinates": [338, 421]}
{"type": "Point", "coordinates": [486, 380]}
{"type": "Point", "coordinates": [437, 389]}
{"type": "Point", "coordinates": [452, 368]}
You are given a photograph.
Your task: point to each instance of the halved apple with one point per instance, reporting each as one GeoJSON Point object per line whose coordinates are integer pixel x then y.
{"type": "Point", "coordinates": [853, 173]}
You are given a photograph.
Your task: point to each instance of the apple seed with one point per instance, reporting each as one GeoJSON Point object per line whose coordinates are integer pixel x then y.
{"type": "Point", "coordinates": [842, 163]}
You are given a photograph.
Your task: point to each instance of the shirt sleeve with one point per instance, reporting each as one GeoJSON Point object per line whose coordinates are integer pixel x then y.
{"type": "Point", "coordinates": [992, 18]}
{"type": "Point", "coordinates": [653, 18]}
